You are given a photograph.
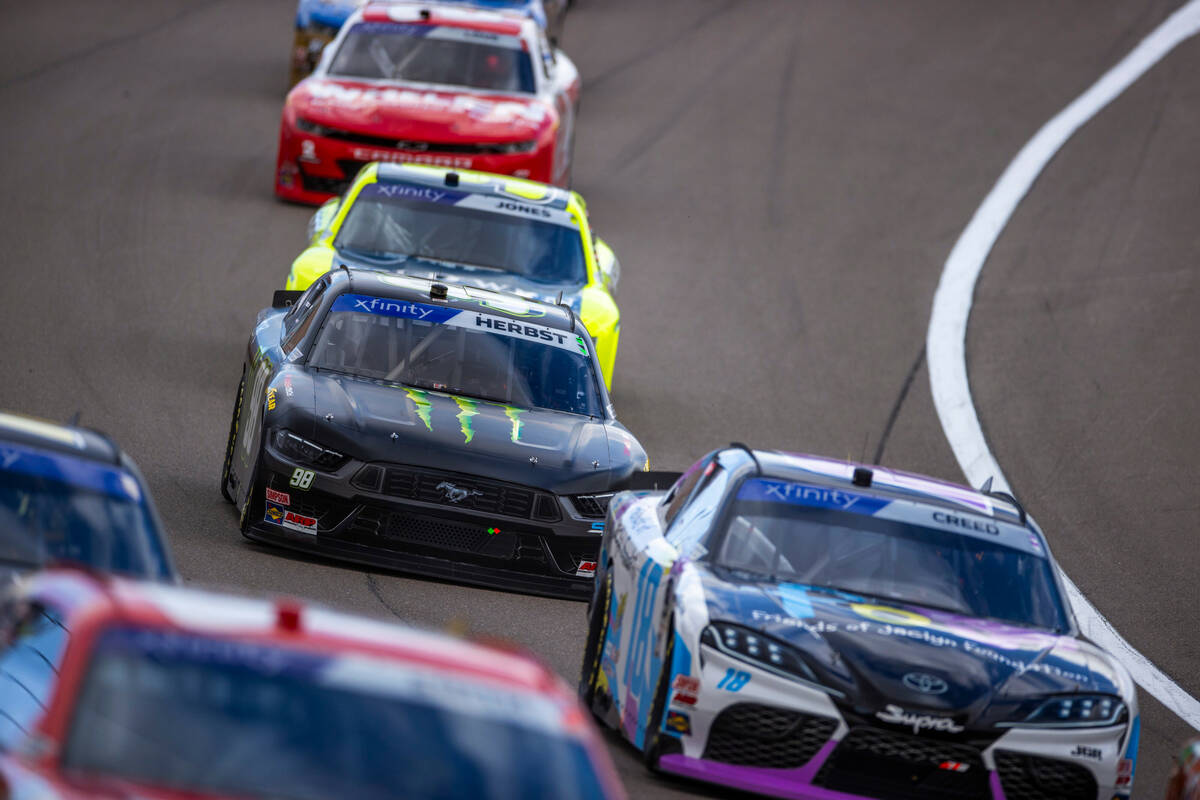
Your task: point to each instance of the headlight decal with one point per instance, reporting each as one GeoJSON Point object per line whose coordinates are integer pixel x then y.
{"type": "Point", "coordinates": [763, 652]}
{"type": "Point", "coordinates": [1074, 711]}
{"type": "Point", "coordinates": [302, 450]}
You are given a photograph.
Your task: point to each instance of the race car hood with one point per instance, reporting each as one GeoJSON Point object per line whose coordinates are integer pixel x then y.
{"type": "Point", "coordinates": [414, 112]}
{"type": "Point", "coordinates": [920, 660]}
{"type": "Point", "coordinates": [491, 280]}
{"type": "Point", "coordinates": [376, 421]}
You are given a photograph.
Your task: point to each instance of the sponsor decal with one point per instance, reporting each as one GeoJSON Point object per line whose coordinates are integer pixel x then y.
{"type": "Point", "coordinates": [408, 191]}
{"type": "Point", "coordinates": [493, 531]}
{"type": "Point", "coordinates": [287, 386]}
{"type": "Point", "coordinates": [597, 527]}
{"type": "Point", "coordinates": [324, 93]}
{"type": "Point", "coordinates": [299, 522]}
{"type": "Point", "coordinates": [925, 683]}
{"type": "Point", "coordinates": [678, 722]}
{"type": "Point", "coordinates": [274, 514]}
{"type": "Point", "coordinates": [954, 766]}
{"type": "Point", "coordinates": [1084, 751]}
{"type": "Point", "coordinates": [282, 498]}
{"type": "Point", "coordinates": [456, 494]}
{"type": "Point", "coordinates": [402, 157]}
{"type": "Point", "coordinates": [365, 304]}
{"type": "Point", "coordinates": [930, 637]}
{"type": "Point", "coordinates": [764, 490]}
{"type": "Point", "coordinates": [686, 683]}
{"type": "Point", "coordinates": [586, 569]}
{"type": "Point", "coordinates": [684, 699]}
{"type": "Point", "coordinates": [271, 399]}
{"type": "Point", "coordinates": [1125, 772]}
{"type": "Point", "coordinates": [896, 715]}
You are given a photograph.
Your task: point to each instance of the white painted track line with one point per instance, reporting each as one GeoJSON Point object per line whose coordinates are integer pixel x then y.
{"type": "Point", "coordinates": [946, 340]}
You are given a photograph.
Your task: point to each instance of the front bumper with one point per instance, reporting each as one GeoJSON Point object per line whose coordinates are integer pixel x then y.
{"type": "Point", "coordinates": [783, 739]}
{"type": "Point", "coordinates": [338, 519]}
{"type": "Point", "coordinates": [312, 169]}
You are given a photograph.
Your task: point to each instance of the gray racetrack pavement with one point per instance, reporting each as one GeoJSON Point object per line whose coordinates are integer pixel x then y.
{"type": "Point", "coordinates": [782, 180]}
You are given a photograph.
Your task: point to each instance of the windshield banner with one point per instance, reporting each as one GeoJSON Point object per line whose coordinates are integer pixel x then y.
{"type": "Point", "coordinates": [472, 320]}
{"type": "Point", "coordinates": [493, 204]}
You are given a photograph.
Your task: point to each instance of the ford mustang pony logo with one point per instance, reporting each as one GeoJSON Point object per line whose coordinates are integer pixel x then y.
{"type": "Point", "coordinates": [918, 722]}
{"type": "Point", "coordinates": [456, 494]}
{"type": "Point", "coordinates": [925, 684]}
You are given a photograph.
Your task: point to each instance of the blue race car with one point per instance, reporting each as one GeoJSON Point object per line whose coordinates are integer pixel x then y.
{"type": "Point", "coordinates": [318, 21]}
{"type": "Point", "coordinates": [68, 494]}
{"type": "Point", "coordinates": [807, 628]}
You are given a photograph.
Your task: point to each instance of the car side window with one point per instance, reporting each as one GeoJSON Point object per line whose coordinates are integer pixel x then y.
{"type": "Point", "coordinates": [29, 667]}
{"type": "Point", "coordinates": [299, 319]}
{"type": "Point", "coordinates": [694, 520]}
{"type": "Point", "coordinates": [680, 492]}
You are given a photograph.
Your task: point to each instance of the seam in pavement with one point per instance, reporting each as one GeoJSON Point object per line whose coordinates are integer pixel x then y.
{"type": "Point", "coordinates": [106, 44]}
{"type": "Point", "coordinates": [374, 588]}
{"type": "Point", "coordinates": [900, 398]}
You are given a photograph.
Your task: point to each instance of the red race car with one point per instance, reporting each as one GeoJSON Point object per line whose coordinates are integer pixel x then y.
{"type": "Point", "coordinates": [424, 83]}
{"type": "Point", "coordinates": [115, 689]}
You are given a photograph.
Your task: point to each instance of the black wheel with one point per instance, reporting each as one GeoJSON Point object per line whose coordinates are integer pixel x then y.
{"type": "Point", "coordinates": [593, 650]}
{"type": "Point", "coordinates": [653, 748]}
{"type": "Point", "coordinates": [233, 427]}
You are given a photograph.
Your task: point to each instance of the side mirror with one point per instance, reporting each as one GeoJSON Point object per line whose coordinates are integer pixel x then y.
{"type": "Point", "coordinates": [322, 217]}
{"type": "Point", "coordinates": [610, 268]}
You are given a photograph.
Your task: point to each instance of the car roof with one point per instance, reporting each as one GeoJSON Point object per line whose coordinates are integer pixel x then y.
{"type": "Point", "coordinates": [888, 483]}
{"type": "Point", "coordinates": [475, 182]}
{"type": "Point", "coordinates": [464, 297]}
{"type": "Point", "coordinates": [58, 438]}
{"type": "Point", "coordinates": [109, 600]}
{"type": "Point", "coordinates": [502, 21]}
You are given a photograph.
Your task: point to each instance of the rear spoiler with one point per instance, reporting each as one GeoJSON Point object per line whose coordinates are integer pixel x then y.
{"type": "Point", "coordinates": [657, 481]}
{"type": "Point", "coordinates": [285, 298]}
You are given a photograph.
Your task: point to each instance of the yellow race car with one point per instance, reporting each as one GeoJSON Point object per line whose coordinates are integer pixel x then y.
{"type": "Point", "coordinates": [492, 231]}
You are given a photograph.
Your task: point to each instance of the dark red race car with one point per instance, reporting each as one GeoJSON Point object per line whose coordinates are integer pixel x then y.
{"type": "Point", "coordinates": [115, 690]}
{"type": "Point", "coordinates": [429, 83]}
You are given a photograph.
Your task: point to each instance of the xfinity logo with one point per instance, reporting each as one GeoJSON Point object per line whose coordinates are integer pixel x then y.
{"type": "Point", "coordinates": [456, 494]}
{"type": "Point", "coordinates": [400, 190]}
{"type": "Point", "coordinates": [918, 722]}
{"type": "Point", "coordinates": [377, 306]}
{"type": "Point", "coordinates": [925, 684]}
{"type": "Point", "coordinates": [811, 494]}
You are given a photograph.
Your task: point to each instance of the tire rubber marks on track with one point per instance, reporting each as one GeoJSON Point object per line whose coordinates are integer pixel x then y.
{"type": "Point", "coordinates": [946, 339]}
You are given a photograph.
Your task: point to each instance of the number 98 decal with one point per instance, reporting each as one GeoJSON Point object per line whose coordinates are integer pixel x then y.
{"type": "Point", "coordinates": [301, 478]}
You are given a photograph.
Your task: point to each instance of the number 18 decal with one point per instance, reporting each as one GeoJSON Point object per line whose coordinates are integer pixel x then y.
{"type": "Point", "coordinates": [302, 478]}
{"type": "Point", "coordinates": [734, 680]}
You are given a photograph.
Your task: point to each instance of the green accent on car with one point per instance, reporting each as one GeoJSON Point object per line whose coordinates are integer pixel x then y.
{"type": "Point", "coordinates": [424, 407]}
{"type": "Point", "coordinates": [466, 410]}
{"type": "Point", "coordinates": [514, 414]}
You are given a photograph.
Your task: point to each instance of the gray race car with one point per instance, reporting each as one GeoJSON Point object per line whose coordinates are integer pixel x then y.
{"type": "Point", "coordinates": [446, 430]}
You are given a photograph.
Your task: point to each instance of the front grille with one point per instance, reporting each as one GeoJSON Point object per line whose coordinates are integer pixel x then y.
{"type": "Point", "coordinates": [753, 735]}
{"type": "Point", "coordinates": [1025, 777]}
{"type": "Point", "coordinates": [462, 492]}
{"type": "Point", "coordinates": [898, 766]}
{"type": "Point", "coordinates": [318, 183]}
{"type": "Point", "coordinates": [592, 506]}
{"type": "Point", "coordinates": [435, 533]}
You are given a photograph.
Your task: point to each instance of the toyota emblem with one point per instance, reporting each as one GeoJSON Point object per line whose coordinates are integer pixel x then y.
{"type": "Point", "coordinates": [925, 684]}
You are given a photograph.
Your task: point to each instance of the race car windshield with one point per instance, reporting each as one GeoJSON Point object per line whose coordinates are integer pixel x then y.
{"type": "Point", "coordinates": [45, 520]}
{"type": "Point", "coordinates": [465, 239]}
{"type": "Point", "coordinates": [890, 560]}
{"type": "Point", "coordinates": [431, 54]}
{"type": "Point", "coordinates": [478, 356]}
{"type": "Point", "coordinates": [237, 719]}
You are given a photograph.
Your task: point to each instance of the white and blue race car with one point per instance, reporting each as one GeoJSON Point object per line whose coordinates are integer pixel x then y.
{"type": "Point", "coordinates": [808, 628]}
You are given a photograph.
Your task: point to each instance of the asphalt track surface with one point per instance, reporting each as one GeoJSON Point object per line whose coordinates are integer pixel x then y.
{"type": "Point", "coordinates": [782, 180]}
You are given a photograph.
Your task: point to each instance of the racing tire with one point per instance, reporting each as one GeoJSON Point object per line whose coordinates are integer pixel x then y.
{"type": "Point", "coordinates": [593, 650]}
{"type": "Point", "coordinates": [229, 446]}
{"type": "Point", "coordinates": [653, 747]}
